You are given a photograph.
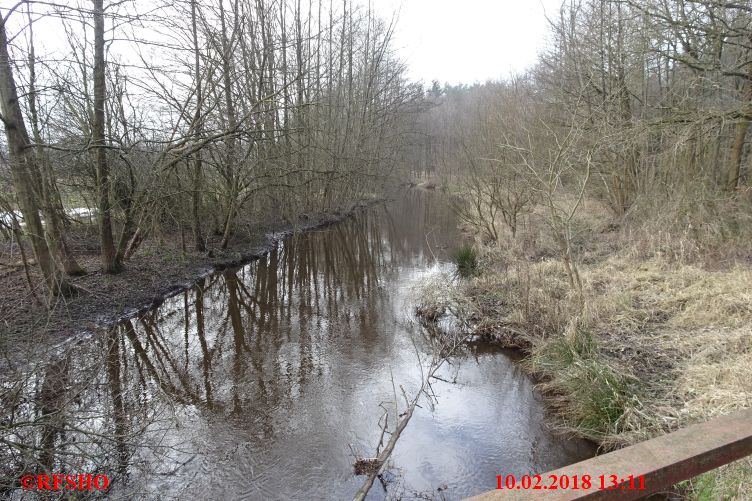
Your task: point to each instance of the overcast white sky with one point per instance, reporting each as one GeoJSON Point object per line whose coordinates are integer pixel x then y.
{"type": "Point", "coordinates": [464, 41]}
{"type": "Point", "coordinates": [452, 41]}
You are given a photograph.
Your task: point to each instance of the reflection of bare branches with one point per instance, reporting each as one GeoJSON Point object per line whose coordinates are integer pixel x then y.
{"type": "Point", "coordinates": [201, 333]}
{"type": "Point", "coordinates": [78, 414]}
{"type": "Point", "coordinates": [56, 379]}
{"type": "Point", "coordinates": [134, 389]}
{"type": "Point", "coordinates": [164, 382]}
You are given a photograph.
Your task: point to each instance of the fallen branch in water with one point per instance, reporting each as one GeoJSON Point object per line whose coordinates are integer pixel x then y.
{"type": "Point", "coordinates": [448, 346]}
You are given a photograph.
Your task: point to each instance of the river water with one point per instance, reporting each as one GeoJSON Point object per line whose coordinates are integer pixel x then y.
{"type": "Point", "coordinates": [263, 381]}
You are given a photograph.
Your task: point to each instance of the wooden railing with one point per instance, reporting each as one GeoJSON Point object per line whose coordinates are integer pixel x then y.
{"type": "Point", "coordinates": [655, 465]}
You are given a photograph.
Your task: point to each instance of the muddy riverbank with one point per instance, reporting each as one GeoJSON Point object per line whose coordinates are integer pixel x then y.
{"type": "Point", "coordinates": [163, 267]}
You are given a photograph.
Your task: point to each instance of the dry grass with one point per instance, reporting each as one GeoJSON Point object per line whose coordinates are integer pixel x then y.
{"type": "Point", "coordinates": [692, 226]}
{"type": "Point", "coordinates": [664, 338]}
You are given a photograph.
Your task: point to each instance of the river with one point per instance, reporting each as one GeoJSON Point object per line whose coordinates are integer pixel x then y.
{"type": "Point", "coordinates": [261, 381]}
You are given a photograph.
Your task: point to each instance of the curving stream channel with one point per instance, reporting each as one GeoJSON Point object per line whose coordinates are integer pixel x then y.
{"type": "Point", "coordinates": [260, 382]}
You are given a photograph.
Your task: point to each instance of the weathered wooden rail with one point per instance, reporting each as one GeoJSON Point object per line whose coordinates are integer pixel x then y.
{"type": "Point", "coordinates": [656, 464]}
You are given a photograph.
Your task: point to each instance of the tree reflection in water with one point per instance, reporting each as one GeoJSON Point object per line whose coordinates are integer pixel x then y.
{"type": "Point", "coordinates": [108, 404]}
{"type": "Point", "coordinates": [239, 377]}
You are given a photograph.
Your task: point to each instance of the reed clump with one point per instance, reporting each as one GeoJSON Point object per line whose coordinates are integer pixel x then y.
{"type": "Point", "coordinates": [466, 259]}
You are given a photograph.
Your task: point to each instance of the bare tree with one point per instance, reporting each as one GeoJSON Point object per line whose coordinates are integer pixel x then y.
{"type": "Point", "coordinates": [110, 263]}
{"type": "Point", "coordinates": [25, 170]}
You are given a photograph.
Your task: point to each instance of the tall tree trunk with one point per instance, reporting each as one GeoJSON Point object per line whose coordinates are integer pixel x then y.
{"type": "Point", "coordinates": [110, 263]}
{"type": "Point", "coordinates": [737, 151]}
{"type": "Point", "coordinates": [231, 124]}
{"type": "Point", "coordinates": [52, 206]}
{"type": "Point", "coordinates": [737, 148]}
{"type": "Point", "coordinates": [198, 235]}
{"type": "Point", "coordinates": [25, 172]}
{"type": "Point", "coordinates": [301, 121]}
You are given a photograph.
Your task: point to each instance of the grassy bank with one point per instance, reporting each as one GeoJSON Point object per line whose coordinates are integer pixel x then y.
{"type": "Point", "coordinates": [661, 336]}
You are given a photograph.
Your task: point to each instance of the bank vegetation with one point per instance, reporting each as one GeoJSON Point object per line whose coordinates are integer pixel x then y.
{"type": "Point", "coordinates": [607, 193]}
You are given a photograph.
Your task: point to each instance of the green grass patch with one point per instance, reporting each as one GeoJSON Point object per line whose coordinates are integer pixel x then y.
{"type": "Point", "coordinates": [466, 259]}
{"type": "Point", "coordinates": [595, 397]}
{"type": "Point", "coordinates": [730, 482]}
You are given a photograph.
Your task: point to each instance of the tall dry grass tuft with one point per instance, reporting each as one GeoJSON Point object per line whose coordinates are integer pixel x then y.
{"type": "Point", "coordinates": [592, 396]}
{"type": "Point", "coordinates": [691, 225]}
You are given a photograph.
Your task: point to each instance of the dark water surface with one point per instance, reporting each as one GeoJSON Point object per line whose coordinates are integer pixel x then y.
{"type": "Point", "coordinates": [256, 383]}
